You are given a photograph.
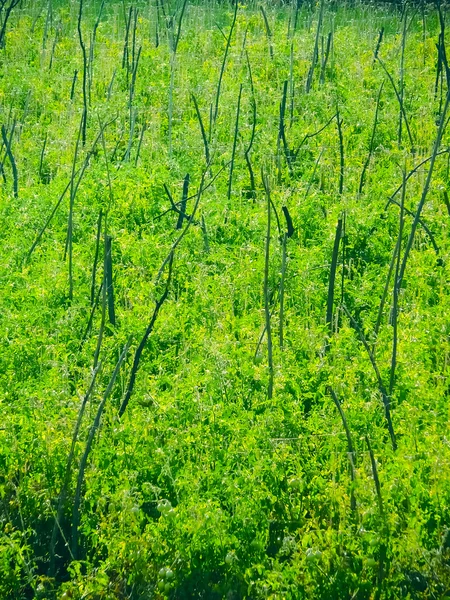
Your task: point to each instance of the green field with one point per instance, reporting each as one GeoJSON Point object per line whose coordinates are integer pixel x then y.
{"type": "Point", "coordinates": [224, 301]}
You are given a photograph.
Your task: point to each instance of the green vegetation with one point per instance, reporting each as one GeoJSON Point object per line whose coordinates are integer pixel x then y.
{"type": "Point", "coordinates": [224, 300]}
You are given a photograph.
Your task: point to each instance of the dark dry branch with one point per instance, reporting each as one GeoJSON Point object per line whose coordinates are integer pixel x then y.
{"type": "Point", "coordinates": [47, 223]}
{"type": "Point", "coordinates": [268, 31]}
{"type": "Point", "coordinates": [447, 202]}
{"type": "Point", "coordinates": [52, 53]}
{"type": "Point", "coordinates": [201, 189]}
{"type": "Point", "coordinates": [222, 69]}
{"type": "Point", "coordinates": [140, 348]}
{"type": "Point", "coordinates": [233, 152]}
{"type": "Point", "coordinates": [69, 248]}
{"type": "Point", "coordinates": [91, 317]}
{"type": "Point", "coordinates": [325, 58]}
{"type": "Point", "coordinates": [90, 439]}
{"type": "Point", "coordinates": [381, 387]}
{"type": "Point", "coordinates": [202, 128]}
{"type": "Point", "coordinates": [332, 277]}
{"type": "Point", "coordinates": [402, 73]}
{"type": "Point", "coordinates": [5, 18]}
{"type": "Point", "coordinates": [371, 144]}
{"type": "Point", "coordinates": [104, 301]}
{"type": "Point", "coordinates": [41, 160]}
{"type": "Point", "coordinates": [83, 50]}
{"type": "Point", "coordinates": [175, 204]}
{"type": "Point", "coordinates": [133, 77]}
{"type": "Point", "coordinates": [315, 56]}
{"type": "Point", "coordinates": [133, 38]}
{"type": "Point", "coordinates": [291, 85]}
{"type": "Point", "coordinates": [125, 54]}
{"type": "Point", "coordinates": [97, 247]}
{"type": "Point", "coordinates": [411, 173]}
{"type": "Point", "coordinates": [7, 142]}
{"type": "Point", "coordinates": [266, 288]}
{"type": "Point", "coordinates": [377, 48]}
{"type": "Point", "coordinates": [422, 224]}
{"type": "Point", "coordinates": [376, 479]}
{"type": "Point", "coordinates": [282, 280]}
{"type": "Point", "coordinates": [91, 49]}
{"type": "Point", "coordinates": [67, 473]}
{"type": "Point", "coordinates": [182, 212]}
{"type": "Point", "coordinates": [180, 20]}
{"type": "Point", "coordinates": [396, 292]}
{"type": "Point", "coordinates": [311, 179]}
{"type": "Point", "coordinates": [74, 82]}
{"type": "Point", "coordinates": [401, 103]}
{"type": "Point", "coordinates": [109, 280]}
{"type": "Point", "coordinates": [282, 132]}
{"type": "Point", "coordinates": [384, 294]}
{"type": "Point", "coordinates": [141, 138]}
{"type": "Point", "coordinates": [205, 234]}
{"type": "Point", "coordinates": [341, 151]}
{"type": "Point", "coordinates": [252, 191]}
{"type": "Point", "coordinates": [350, 449]}
{"type": "Point", "coordinates": [311, 135]}
{"type": "Point", "coordinates": [426, 187]}
{"type": "Point", "coordinates": [290, 226]}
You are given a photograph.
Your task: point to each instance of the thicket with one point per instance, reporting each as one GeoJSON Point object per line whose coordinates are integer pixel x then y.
{"type": "Point", "coordinates": [224, 299]}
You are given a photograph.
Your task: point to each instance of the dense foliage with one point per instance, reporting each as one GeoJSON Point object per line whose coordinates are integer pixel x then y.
{"type": "Point", "coordinates": [206, 483]}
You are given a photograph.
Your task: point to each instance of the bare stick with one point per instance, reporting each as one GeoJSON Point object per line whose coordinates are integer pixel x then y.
{"type": "Point", "coordinates": [283, 275]}
{"type": "Point", "coordinates": [332, 278]}
{"type": "Point", "coordinates": [282, 132]}
{"type": "Point", "coordinates": [424, 191]}
{"type": "Point", "coordinates": [266, 288]}
{"type": "Point", "coordinates": [371, 144]}
{"type": "Point", "coordinates": [91, 49]}
{"type": "Point", "coordinates": [325, 59]}
{"type": "Point", "coordinates": [402, 72]}
{"type": "Point", "coordinates": [74, 82]}
{"type": "Point", "coordinates": [47, 223]}
{"type": "Point", "coordinates": [222, 69]}
{"type": "Point", "coordinates": [148, 331]}
{"type": "Point", "coordinates": [202, 128]}
{"type": "Point", "coordinates": [377, 49]}
{"type": "Point", "coordinates": [83, 50]}
{"type": "Point", "coordinates": [69, 248]}
{"type": "Point", "coordinates": [268, 31]}
{"type": "Point", "coordinates": [413, 171]}
{"type": "Point", "coordinates": [311, 135]}
{"type": "Point", "coordinates": [383, 392]}
{"type": "Point", "coordinates": [11, 160]}
{"type": "Point", "coordinates": [252, 135]}
{"type": "Point", "coordinates": [315, 55]}
{"type": "Point", "coordinates": [401, 103]}
{"type": "Point", "coordinates": [376, 479]}
{"type": "Point", "coordinates": [396, 292]}
{"type": "Point", "coordinates": [341, 151]}
{"type": "Point", "coordinates": [109, 280]}
{"type": "Point", "coordinates": [311, 179]}
{"type": "Point", "coordinates": [97, 246]}
{"type": "Point", "coordinates": [67, 474]}
{"type": "Point", "coordinates": [350, 450]}
{"type": "Point", "coordinates": [41, 161]}
{"type": "Point", "coordinates": [233, 153]}
{"type": "Point", "coordinates": [182, 211]}
{"type": "Point", "coordinates": [186, 229]}
{"type": "Point", "coordinates": [9, 8]}
{"type": "Point", "coordinates": [90, 439]}
{"type": "Point", "coordinates": [141, 138]}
